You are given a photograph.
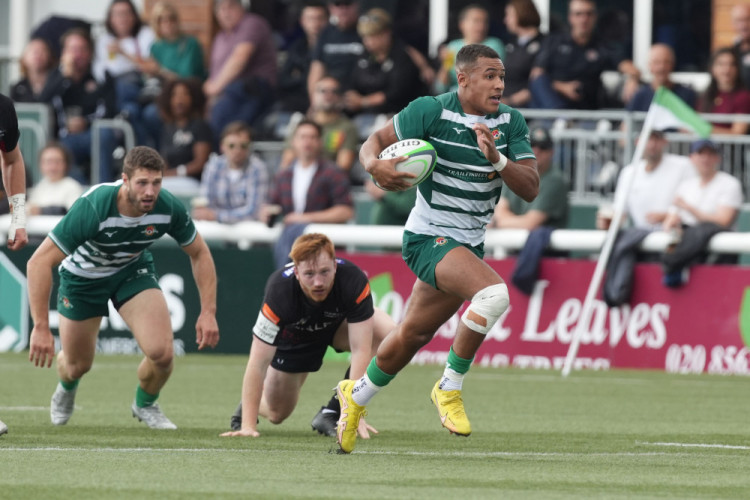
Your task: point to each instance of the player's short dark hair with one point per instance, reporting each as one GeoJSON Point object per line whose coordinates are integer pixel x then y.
{"type": "Point", "coordinates": [142, 157]}
{"type": "Point", "coordinates": [308, 246]}
{"type": "Point", "coordinates": [468, 55]}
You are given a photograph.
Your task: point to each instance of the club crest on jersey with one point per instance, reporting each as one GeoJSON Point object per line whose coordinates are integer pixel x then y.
{"type": "Point", "coordinates": [496, 134]}
{"type": "Point", "coordinates": [150, 231]}
{"type": "Point", "coordinates": [440, 241]}
{"type": "Point", "coordinates": [491, 175]}
{"type": "Point", "coordinates": [66, 303]}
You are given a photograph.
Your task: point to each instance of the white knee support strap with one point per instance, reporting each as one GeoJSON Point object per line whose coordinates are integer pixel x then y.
{"type": "Point", "coordinates": [486, 308]}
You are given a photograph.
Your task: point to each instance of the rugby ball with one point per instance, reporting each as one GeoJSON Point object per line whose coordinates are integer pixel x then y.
{"type": "Point", "coordinates": [421, 161]}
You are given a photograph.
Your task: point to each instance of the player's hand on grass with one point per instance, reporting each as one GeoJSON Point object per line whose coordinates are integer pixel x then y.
{"type": "Point", "coordinates": [41, 346]}
{"type": "Point", "coordinates": [365, 429]}
{"type": "Point", "coordinates": [242, 432]}
{"type": "Point", "coordinates": [206, 331]}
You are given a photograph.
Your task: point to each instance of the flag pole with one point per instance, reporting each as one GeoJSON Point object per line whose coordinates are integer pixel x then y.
{"type": "Point", "coordinates": [585, 317]}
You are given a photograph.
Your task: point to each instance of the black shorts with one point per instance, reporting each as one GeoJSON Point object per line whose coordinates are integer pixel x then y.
{"type": "Point", "coordinates": [306, 360]}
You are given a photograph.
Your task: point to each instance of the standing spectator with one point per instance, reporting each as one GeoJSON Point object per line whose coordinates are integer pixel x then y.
{"type": "Point", "coordinates": [312, 190]}
{"type": "Point", "coordinates": [186, 137]}
{"type": "Point", "coordinates": [740, 15]}
{"type": "Point", "coordinates": [661, 62]}
{"type": "Point", "coordinates": [242, 73]}
{"type": "Point", "coordinates": [522, 20]}
{"type": "Point", "coordinates": [338, 47]}
{"type": "Point", "coordinates": [725, 94]}
{"type": "Point", "coordinates": [567, 72]}
{"type": "Point", "coordinates": [174, 54]}
{"type": "Point", "coordinates": [121, 52]}
{"type": "Point", "coordinates": [293, 95]}
{"type": "Point", "coordinates": [385, 79]}
{"type": "Point", "coordinates": [39, 73]}
{"type": "Point", "coordinates": [79, 99]}
{"type": "Point", "coordinates": [474, 24]}
{"type": "Point", "coordinates": [703, 206]}
{"type": "Point", "coordinates": [340, 135]}
{"type": "Point", "coordinates": [235, 184]}
{"type": "Point", "coordinates": [653, 184]}
{"type": "Point", "coordinates": [55, 192]}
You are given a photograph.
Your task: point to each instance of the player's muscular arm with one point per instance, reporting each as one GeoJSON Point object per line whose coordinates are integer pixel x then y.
{"type": "Point", "coordinates": [383, 171]}
{"type": "Point", "coordinates": [521, 177]}
{"type": "Point", "coordinates": [39, 274]}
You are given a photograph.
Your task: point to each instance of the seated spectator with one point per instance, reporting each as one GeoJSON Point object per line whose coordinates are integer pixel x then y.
{"type": "Point", "coordinates": [725, 94]}
{"type": "Point", "coordinates": [740, 16]}
{"type": "Point", "coordinates": [703, 206]}
{"type": "Point", "coordinates": [293, 95]}
{"type": "Point", "coordinates": [391, 208]}
{"type": "Point", "coordinates": [661, 62]}
{"type": "Point", "coordinates": [234, 184]}
{"type": "Point", "coordinates": [338, 47]}
{"type": "Point", "coordinates": [38, 69]}
{"type": "Point", "coordinates": [242, 75]}
{"type": "Point", "coordinates": [313, 190]}
{"type": "Point", "coordinates": [79, 99]}
{"type": "Point", "coordinates": [653, 184]}
{"type": "Point", "coordinates": [522, 20]}
{"type": "Point", "coordinates": [120, 52]}
{"type": "Point", "coordinates": [55, 192]}
{"type": "Point", "coordinates": [547, 212]}
{"type": "Point", "coordinates": [174, 54]}
{"type": "Point", "coordinates": [186, 137]}
{"type": "Point", "coordinates": [340, 135]}
{"type": "Point", "coordinates": [474, 24]}
{"type": "Point", "coordinates": [385, 79]}
{"type": "Point", "coordinates": [567, 72]}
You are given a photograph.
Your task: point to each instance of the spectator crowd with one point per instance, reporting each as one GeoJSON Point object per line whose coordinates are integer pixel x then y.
{"type": "Point", "coordinates": [319, 91]}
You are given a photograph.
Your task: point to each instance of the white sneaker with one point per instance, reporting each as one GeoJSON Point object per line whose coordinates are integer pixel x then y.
{"type": "Point", "coordinates": [152, 416]}
{"type": "Point", "coordinates": [62, 405]}
{"type": "Point", "coordinates": [3, 428]}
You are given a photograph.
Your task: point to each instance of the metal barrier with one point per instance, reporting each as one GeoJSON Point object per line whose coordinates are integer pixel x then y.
{"type": "Point", "coordinates": [96, 127]}
{"type": "Point", "coordinates": [30, 148]}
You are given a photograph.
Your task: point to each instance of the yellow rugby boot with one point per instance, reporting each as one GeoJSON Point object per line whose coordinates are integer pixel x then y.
{"type": "Point", "coordinates": [351, 412]}
{"type": "Point", "coordinates": [450, 407]}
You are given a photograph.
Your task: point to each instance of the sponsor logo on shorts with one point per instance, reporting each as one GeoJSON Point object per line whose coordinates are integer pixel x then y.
{"type": "Point", "coordinates": [440, 241]}
{"type": "Point", "coordinates": [66, 303]}
{"type": "Point", "coordinates": [150, 230]}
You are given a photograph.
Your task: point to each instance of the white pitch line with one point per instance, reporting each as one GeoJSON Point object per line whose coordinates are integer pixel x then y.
{"type": "Point", "coordinates": [24, 408]}
{"type": "Point", "coordinates": [698, 445]}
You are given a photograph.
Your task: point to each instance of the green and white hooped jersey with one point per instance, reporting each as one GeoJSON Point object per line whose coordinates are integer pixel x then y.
{"type": "Point", "coordinates": [99, 241]}
{"type": "Point", "coordinates": [459, 198]}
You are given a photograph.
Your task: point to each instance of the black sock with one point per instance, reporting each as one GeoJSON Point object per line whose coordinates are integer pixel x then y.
{"type": "Point", "coordinates": [333, 404]}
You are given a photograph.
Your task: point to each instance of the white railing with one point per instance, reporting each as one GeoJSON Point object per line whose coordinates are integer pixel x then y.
{"type": "Point", "coordinates": [497, 243]}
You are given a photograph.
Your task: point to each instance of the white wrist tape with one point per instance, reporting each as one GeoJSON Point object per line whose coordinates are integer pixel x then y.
{"type": "Point", "coordinates": [18, 217]}
{"type": "Point", "coordinates": [500, 164]}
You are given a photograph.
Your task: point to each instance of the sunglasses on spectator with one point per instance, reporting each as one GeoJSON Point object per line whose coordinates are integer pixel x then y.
{"type": "Point", "coordinates": [241, 145]}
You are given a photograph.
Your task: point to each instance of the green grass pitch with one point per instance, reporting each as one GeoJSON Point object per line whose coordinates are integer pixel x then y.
{"type": "Point", "coordinates": [618, 434]}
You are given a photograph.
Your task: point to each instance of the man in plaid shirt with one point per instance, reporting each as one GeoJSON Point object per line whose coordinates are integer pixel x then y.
{"type": "Point", "coordinates": [234, 185]}
{"type": "Point", "coordinates": [311, 190]}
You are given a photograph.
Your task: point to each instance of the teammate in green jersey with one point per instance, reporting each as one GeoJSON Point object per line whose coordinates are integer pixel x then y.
{"type": "Point", "coordinates": [481, 145]}
{"type": "Point", "coordinates": [101, 248]}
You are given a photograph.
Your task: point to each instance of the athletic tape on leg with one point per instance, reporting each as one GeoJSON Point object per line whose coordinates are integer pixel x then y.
{"type": "Point", "coordinates": [486, 307]}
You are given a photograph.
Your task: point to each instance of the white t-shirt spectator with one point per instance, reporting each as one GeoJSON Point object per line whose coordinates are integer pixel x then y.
{"type": "Point", "coordinates": [724, 190]}
{"type": "Point", "coordinates": [117, 64]}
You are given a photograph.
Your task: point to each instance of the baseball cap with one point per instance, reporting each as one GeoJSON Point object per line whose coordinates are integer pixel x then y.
{"type": "Point", "coordinates": [373, 21]}
{"type": "Point", "coordinates": [540, 138]}
{"type": "Point", "coordinates": [696, 146]}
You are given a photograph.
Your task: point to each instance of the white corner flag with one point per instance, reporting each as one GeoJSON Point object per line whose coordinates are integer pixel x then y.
{"type": "Point", "coordinates": [672, 112]}
{"type": "Point", "coordinates": [666, 111]}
